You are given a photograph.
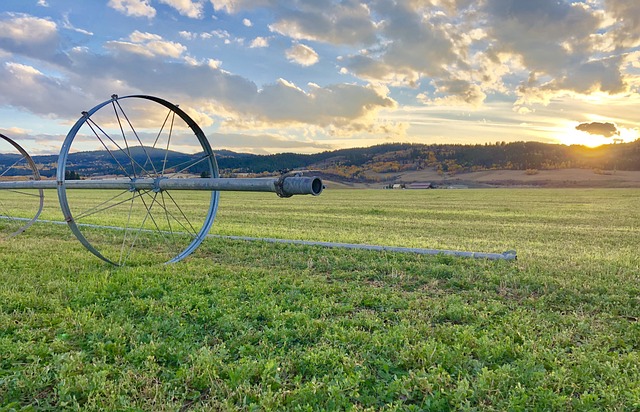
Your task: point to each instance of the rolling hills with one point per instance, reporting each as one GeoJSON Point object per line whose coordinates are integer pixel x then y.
{"type": "Point", "coordinates": [528, 163]}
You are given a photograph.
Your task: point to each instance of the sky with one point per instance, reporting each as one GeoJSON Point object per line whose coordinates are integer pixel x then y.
{"type": "Point", "coordinates": [305, 76]}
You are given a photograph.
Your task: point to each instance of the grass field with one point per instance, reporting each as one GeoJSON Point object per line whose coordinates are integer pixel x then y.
{"type": "Point", "coordinates": [258, 326]}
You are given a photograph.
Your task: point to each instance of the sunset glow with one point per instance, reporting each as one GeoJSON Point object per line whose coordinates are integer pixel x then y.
{"type": "Point", "coordinates": [572, 136]}
{"type": "Point", "coordinates": [300, 76]}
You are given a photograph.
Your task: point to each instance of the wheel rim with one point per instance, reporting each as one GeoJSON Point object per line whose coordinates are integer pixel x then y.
{"type": "Point", "coordinates": [140, 137]}
{"type": "Point", "coordinates": [19, 209]}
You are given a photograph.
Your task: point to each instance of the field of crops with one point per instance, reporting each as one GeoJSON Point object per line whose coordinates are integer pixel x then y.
{"type": "Point", "coordinates": [259, 326]}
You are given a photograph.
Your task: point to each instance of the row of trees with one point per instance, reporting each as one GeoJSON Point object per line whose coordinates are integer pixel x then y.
{"type": "Point", "coordinates": [514, 156]}
{"type": "Point", "coordinates": [363, 163]}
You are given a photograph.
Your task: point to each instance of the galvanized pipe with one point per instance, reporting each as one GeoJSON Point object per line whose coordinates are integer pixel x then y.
{"type": "Point", "coordinates": [290, 185]}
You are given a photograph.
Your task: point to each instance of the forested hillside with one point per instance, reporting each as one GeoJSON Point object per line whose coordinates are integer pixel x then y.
{"type": "Point", "coordinates": [365, 163]}
{"type": "Point", "coordinates": [361, 163]}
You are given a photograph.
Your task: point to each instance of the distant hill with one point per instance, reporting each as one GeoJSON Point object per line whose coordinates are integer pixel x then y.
{"type": "Point", "coordinates": [366, 164]}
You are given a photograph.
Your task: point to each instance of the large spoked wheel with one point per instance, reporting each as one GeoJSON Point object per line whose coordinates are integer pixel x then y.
{"type": "Point", "coordinates": [138, 137]}
{"type": "Point", "coordinates": [19, 209]}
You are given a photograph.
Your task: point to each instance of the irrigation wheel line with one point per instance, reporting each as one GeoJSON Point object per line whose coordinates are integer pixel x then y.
{"type": "Point", "coordinates": [143, 180]}
{"type": "Point", "coordinates": [141, 150]}
{"type": "Point", "coordinates": [28, 197]}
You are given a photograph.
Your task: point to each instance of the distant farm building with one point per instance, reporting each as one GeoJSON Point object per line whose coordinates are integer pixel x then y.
{"type": "Point", "coordinates": [421, 185]}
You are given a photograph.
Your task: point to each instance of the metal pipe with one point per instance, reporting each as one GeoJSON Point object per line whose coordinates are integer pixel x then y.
{"type": "Point", "coordinates": [508, 255]}
{"type": "Point", "coordinates": [29, 184]}
{"type": "Point", "coordinates": [289, 185]}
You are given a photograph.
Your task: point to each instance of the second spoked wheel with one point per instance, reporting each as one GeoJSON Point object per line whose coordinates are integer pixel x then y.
{"type": "Point", "coordinates": [19, 208]}
{"type": "Point", "coordinates": [137, 137]}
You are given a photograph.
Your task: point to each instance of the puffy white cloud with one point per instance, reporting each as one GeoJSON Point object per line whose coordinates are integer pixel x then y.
{"type": "Point", "coordinates": [259, 42]}
{"type": "Point", "coordinates": [30, 36]}
{"type": "Point", "coordinates": [302, 55]}
{"type": "Point", "coordinates": [247, 22]}
{"type": "Point", "coordinates": [210, 90]}
{"type": "Point", "coordinates": [147, 44]}
{"type": "Point", "coordinates": [332, 105]}
{"type": "Point", "coordinates": [189, 8]}
{"type": "Point", "coordinates": [26, 87]}
{"type": "Point", "coordinates": [233, 6]}
{"type": "Point", "coordinates": [135, 8]}
{"type": "Point", "coordinates": [559, 45]}
{"type": "Point", "coordinates": [413, 47]}
{"type": "Point", "coordinates": [532, 50]}
{"type": "Point", "coordinates": [214, 64]}
{"type": "Point", "coordinates": [341, 23]}
{"type": "Point", "coordinates": [187, 35]}
{"type": "Point", "coordinates": [456, 92]}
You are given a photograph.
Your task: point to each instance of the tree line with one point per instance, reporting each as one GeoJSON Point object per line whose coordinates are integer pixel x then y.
{"type": "Point", "coordinates": [362, 163]}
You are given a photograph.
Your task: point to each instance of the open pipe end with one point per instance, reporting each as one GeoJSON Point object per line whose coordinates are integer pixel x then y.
{"type": "Point", "coordinates": [317, 186]}
{"type": "Point", "coordinates": [300, 185]}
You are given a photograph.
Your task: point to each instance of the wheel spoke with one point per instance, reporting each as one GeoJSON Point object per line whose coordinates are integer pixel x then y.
{"type": "Point", "coordinates": [124, 137]}
{"type": "Point", "coordinates": [22, 193]}
{"type": "Point", "coordinates": [126, 229]}
{"type": "Point", "coordinates": [190, 231]}
{"type": "Point", "coordinates": [146, 172]}
{"type": "Point", "coordinates": [6, 211]}
{"type": "Point", "coordinates": [140, 229]}
{"type": "Point", "coordinates": [14, 164]}
{"type": "Point", "coordinates": [195, 232]}
{"type": "Point", "coordinates": [166, 214]}
{"type": "Point", "coordinates": [166, 153]}
{"type": "Point", "coordinates": [91, 123]}
{"type": "Point", "coordinates": [138, 138]}
{"type": "Point", "coordinates": [195, 162]}
{"type": "Point", "coordinates": [155, 142]}
{"type": "Point", "coordinates": [96, 209]}
{"type": "Point", "coordinates": [153, 202]}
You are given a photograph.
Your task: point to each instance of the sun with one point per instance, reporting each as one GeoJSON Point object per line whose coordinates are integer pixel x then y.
{"type": "Point", "coordinates": [570, 136]}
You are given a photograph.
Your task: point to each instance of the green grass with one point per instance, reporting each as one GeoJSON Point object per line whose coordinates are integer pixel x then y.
{"type": "Point", "coordinates": [258, 326]}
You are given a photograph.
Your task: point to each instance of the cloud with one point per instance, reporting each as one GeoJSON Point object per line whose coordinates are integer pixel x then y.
{"type": "Point", "coordinates": [264, 143]}
{"type": "Point", "coordinates": [626, 29]}
{"type": "Point", "coordinates": [147, 44]}
{"type": "Point", "coordinates": [211, 91]}
{"type": "Point", "coordinates": [531, 51]}
{"type": "Point", "coordinates": [555, 42]}
{"type": "Point", "coordinates": [336, 105]}
{"type": "Point", "coordinates": [30, 36]}
{"type": "Point", "coordinates": [12, 131]}
{"type": "Point", "coordinates": [188, 8]}
{"type": "Point", "coordinates": [456, 92]}
{"type": "Point", "coordinates": [67, 25]}
{"type": "Point", "coordinates": [302, 55]}
{"type": "Point", "coordinates": [259, 42]}
{"type": "Point", "coordinates": [413, 48]}
{"type": "Point", "coordinates": [26, 87]}
{"type": "Point", "coordinates": [527, 54]}
{"type": "Point", "coordinates": [134, 8]}
{"type": "Point", "coordinates": [603, 129]}
{"type": "Point", "coordinates": [342, 23]}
